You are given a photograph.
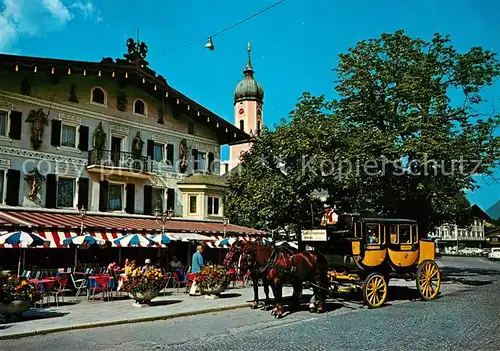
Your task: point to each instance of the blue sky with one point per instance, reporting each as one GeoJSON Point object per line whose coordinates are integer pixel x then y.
{"type": "Point", "coordinates": [294, 45]}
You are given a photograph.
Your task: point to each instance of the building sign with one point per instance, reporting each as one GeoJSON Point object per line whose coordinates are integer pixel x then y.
{"type": "Point", "coordinates": [314, 235]}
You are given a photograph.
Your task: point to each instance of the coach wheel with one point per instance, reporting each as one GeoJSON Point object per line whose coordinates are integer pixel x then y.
{"type": "Point", "coordinates": [375, 290]}
{"type": "Point", "coordinates": [428, 280]}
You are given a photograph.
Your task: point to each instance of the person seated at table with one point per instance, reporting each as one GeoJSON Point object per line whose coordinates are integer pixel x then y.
{"type": "Point", "coordinates": [113, 266]}
{"type": "Point", "coordinates": [175, 263]}
{"type": "Point", "coordinates": [147, 266]}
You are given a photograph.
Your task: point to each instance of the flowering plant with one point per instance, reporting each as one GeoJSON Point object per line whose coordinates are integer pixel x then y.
{"type": "Point", "coordinates": [139, 282]}
{"type": "Point", "coordinates": [212, 276]}
{"type": "Point", "coordinates": [15, 289]}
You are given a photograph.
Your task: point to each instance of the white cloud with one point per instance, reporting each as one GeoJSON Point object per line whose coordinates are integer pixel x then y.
{"type": "Point", "coordinates": [88, 10]}
{"type": "Point", "coordinates": [20, 18]}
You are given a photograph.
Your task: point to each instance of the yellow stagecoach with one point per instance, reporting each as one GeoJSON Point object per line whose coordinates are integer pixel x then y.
{"type": "Point", "coordinates": [364, 253]}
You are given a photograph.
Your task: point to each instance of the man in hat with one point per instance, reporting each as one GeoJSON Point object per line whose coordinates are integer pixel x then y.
{"type": "Point", "coordinates": [329, 216]}
{"type": "Point", "coordinates": [147, 265]}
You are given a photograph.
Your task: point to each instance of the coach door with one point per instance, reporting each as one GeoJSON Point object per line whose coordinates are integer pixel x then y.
{"type": "Point", "coordinates": [403, 246]}
{"type": "Point", "coordinates": [374, 244]}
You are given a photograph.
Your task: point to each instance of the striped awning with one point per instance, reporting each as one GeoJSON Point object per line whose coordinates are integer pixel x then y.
{"type": "Point", "coordinates": [213, 243]}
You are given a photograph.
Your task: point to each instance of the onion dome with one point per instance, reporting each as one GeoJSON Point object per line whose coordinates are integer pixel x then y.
{"type": "Point", "coordinates": [248, 88]}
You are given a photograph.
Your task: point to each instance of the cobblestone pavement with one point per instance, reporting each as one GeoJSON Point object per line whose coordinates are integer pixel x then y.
{"type": "Point", "coordinates": [466, 317]}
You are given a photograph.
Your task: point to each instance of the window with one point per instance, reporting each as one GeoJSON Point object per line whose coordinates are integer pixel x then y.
{"type": "Point", "coordinates": [414, 233]}
{"type": "Point", "coordinates": [65, 192]}
{"type": "Point", "coordinates": [404, 234]}
{"type": "Point", "coordinates": [192, 204]}
{"type": "Point", "coordinates": [68, 136]}
{"type": "Point", "coordinates": [373, 234]}
{"type": "Point", "coordinates": [394, 233]}
{"type": "Point", "coordinates": [170, 154]}
{"type": "Point", "coordinates": [242, 124]}
{"type": "Point", "coordinates": [98, 96]}
{"type": "Point", "coordinates": [258, 127]}
{"type": "Point", "coordinates": [158, 199]}
{"type": "Point", "coordinates": [158, 152]}
{"type": "Point", "coordinates": [202, 161]}
{"type": "Point", "coordinates": [213, 205]}
{"type": "Point", "coordinates": [140, 107]}
{"type": "Point", "coordinates": [115, 193]}
{"type": "Point", "coordinates": [3, 123]}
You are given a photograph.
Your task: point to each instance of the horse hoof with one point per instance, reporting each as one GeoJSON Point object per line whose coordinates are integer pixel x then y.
{"type": "Point", "coordinates": [254, 307]}
{"type": "Point", "coordinates": [278, 315]}
{"type": "Point", "coordinates": [312, 310]}
{"type": "Point", "coordinates": [273, 313]}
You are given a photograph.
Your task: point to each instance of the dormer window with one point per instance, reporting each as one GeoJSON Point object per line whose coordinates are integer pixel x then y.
{"type": "Point", "coordinates": [98, 96]}
{"type": "Point", "coordinates": [140, 108]}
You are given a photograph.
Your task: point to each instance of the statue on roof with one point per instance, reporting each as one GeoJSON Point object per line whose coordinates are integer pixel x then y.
{"type": "Point", "coordinates": [136, 51]}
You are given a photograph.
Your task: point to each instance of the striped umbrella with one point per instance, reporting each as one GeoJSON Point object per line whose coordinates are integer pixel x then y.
{"type": "Point", "coordinates": [134, 240]}
{"type": "Point", "coordinates": [23, 239]}
{"type": "Point", "coordinates": [226, 242]}
{"type": "Point", "coordinates": [83, 240]}
{"type": "Point", "coordinates": [161, 238]}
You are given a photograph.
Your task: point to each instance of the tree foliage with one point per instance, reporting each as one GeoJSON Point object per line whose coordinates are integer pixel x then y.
{"type": "Point", "coordinates": [403, 139]}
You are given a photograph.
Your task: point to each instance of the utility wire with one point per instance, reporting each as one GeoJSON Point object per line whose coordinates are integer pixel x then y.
{"type": "Point", "coordinates": [224, 30]}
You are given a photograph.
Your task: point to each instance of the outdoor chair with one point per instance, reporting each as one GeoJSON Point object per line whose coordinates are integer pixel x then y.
{"type": "Point", "coordinates": [79, 284]}
{"type": "Point", "coordinates": [178, 282]}
{"type": "Point", "coordinates": [169, 276]}
{"type": "Point", "coordinates": [101, 285]}
{"type": "Point", "coordinates": [46, 290]}
{"type": "Point", "coordinates": [61, 288]}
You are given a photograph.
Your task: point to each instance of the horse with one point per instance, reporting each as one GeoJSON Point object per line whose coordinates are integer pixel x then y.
{"type": "Point", "coordinates": [258, 256]}
{"type": "Point", "coordinates": [296, 268]}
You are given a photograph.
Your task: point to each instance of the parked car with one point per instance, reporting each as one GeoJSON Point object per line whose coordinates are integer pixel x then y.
{"type": "Point", "coordinates": [494, 254]}
{"type": "Point", "coordinates": [486, 251]}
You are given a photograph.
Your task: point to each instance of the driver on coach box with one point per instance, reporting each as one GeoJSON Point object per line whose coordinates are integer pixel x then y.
{"type": "Point", "coordinates": [329, 216]}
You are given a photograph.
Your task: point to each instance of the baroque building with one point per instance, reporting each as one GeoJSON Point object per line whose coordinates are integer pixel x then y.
{"type": "Point", "coordinates": [115, 138]}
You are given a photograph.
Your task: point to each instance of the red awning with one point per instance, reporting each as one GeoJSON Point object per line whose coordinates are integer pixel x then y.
{"type": "Point", "coordinates": [113, 223]}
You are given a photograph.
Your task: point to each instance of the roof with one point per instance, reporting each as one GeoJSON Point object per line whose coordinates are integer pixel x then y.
{"type": "Point", "coordinates": [494, 211]}
{"type": "Point", "coordinates": [137, 74]}
{"type": "Point", "coordinates": [107, 222]}
{"type": "Point", "coordinates": [389, 220]}
{"type": "Point", "coordinates": [232, 171]}
{"type": "Point", "coordinates": [203, 179]}
{"type": "Point", "coordinates": [248, 88]}
{"type": "Point", "coordinates": [477, 212]}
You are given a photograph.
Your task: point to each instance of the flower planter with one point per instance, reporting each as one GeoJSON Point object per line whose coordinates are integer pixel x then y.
{"type": "Point", "coordinates": [14, 309]}
{"type": "Point", "coordinates": [144, 298]}
{"type": "Point", "coordinates": [212, 291]}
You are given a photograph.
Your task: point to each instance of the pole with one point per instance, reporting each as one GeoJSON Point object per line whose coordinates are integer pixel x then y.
{"type": "Point", "coordinates": [312, 216]}
{"type": "Point", "coordinates": [76, 256]}
{"type": "Point", "coordinates": [19, 263]}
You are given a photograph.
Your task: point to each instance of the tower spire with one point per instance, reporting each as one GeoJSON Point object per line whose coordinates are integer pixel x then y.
{"type": "Point", "coordinates": [248, 69]}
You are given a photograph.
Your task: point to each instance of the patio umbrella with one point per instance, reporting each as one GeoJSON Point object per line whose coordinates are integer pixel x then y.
{"type": "Point", "coordinates": [23, 239]}
{"type": "Point", "coordinates": [225, 242]}
{"type": "Point", "coordinates": [161, 238]}
{"type": "Point", "coordinates": [82, 240]}
{"type": "Point", "coordinates": [134, 240]}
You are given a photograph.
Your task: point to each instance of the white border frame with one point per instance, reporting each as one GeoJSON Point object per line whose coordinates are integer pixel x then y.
{"type": "Point", "coordinates": [105, 96]}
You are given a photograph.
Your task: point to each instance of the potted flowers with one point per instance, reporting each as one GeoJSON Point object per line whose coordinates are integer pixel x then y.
{"type": "Point", "coordinates": [212, 280]}
{"type": "Point", "coordinates": [17, 295]}
{"type": "Point", "coordinates": [143, 287]}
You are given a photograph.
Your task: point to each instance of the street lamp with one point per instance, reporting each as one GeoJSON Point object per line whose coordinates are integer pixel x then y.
{"type": "Point", "coordinates": [226, 222]}
{"type": "Point", "coordinates": [82, 212]}
{"type": "Point", "coordinates": [163, 217]}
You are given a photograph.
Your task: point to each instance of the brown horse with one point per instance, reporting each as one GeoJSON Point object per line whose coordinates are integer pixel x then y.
{"type": "Point", "coordinates": [256, 262]}
{"type": "Point", "coordinates": [297, 268]}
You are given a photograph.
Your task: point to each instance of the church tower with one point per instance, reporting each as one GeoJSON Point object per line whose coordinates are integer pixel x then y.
{"type": "Point", "coordinates": [248, 116]}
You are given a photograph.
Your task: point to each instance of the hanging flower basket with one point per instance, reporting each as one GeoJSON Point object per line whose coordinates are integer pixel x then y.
{"type": "Point", "coordinates": [144, 287]}
{"type": "Point", "coordinates": [212, 280]}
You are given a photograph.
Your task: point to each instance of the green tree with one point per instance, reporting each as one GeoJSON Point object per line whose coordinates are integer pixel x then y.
{"type": "Point", "coordinates": [394, 143]}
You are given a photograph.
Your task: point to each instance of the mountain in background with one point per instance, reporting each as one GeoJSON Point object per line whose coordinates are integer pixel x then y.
{"type": "Point", "coordinates": [494, 211]}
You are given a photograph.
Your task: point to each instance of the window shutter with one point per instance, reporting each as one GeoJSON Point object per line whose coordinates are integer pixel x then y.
{"type": "Point", "coordinates": [83, 144]}
{"type": "Point", "coordinates": [130, 198]}
{"type": "Point", "coordinates": [55, 139]}
{"type": "Point", "coordinates": [148, 199]}
{"type": "Point", "coordinates": [171, 199]}
{"type": "Point", "coordinates": [150, 148]}
{"type": "Point", "coordinates": [170, 154]}
{"type": "Point", "coordinates": [83, 193]}
{"type": "Point", "coordinates": [103, 196]}
{"type": "Point", "coordinates": [216, 205]}
{"type": "Point", "coordinates": [51, 191]}
{"type": "Point", "coordinates": [210, 205]}
{"type": "Point", "coordinates": [195, 159]}
{"type": "Point", "coordinates": [13, 182]}
{"type": "Point", "coordinates": [211, 158]}
{"type": "Point", "coordinates": [15, 125]}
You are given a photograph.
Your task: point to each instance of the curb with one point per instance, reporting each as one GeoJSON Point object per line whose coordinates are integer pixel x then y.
{"type": "Point", "coordinates": [125, 321]}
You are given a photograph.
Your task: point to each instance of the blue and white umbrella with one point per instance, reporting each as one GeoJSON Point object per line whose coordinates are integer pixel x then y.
{"type": "Point", "coordinates": [83, 240]}
{"type": "Point", "coordinates": [161, 238]}
{"type": "Point", "coordinates": [134, 240]}
{"type": "Point", "coordinates": [225, 242]}
{"type": "Point", "coordinates": [22, 239]}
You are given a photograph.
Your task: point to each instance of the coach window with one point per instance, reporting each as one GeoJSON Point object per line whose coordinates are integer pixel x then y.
{"type": "Point", "coordinates": [373, 234]}
{"type": "Point", "coordinates": [414, 233]}
{"type": "Point", "coordinates": [357, 230]}
{"type": "Point", "coordinates": [404, 234]}
{"type": "Point", "coordinates": [393, 229]}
